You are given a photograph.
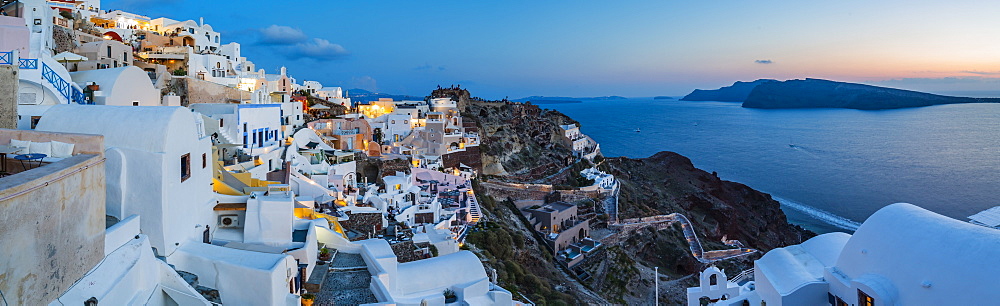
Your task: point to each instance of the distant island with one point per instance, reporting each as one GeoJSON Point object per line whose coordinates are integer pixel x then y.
{"type": "Point", "coordinates": [559, 100]}
{"type": "Point", "coordinates": [738, 92]}
{"type": "Point", "coordinates": [663, 98]}
{"type": "Point", "coordinates": [817, 93]}
{"type": "Point", "coordinates": [546, 101]}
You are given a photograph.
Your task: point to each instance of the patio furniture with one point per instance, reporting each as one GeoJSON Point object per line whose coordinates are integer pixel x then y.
{"type": "Point", "coordinates": [29, 158]}
{"type": "Point", "coordinates": [4, 150]}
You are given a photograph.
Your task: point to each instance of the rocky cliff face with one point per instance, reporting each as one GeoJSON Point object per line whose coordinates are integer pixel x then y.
{"type": "Point", "coordinates": [521, 144]}
{"type": "Point", "coordinates": [668, 182]}
{"type": "Point", "coordinates": [738, 92]}
{"type": "Point", "coordinates": [520, 141]}
{"type": "Point", "coordinates": [816, 93]}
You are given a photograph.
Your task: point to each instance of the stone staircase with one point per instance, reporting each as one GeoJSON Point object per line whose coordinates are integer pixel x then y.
{"type": "Point", "coordinates": [346, 283]}
{"type": "Point", "coordinates": [212, 295]}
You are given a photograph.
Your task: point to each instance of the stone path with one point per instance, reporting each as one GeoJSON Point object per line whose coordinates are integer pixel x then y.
{"type": "Point", "coordinates": [347, 282]}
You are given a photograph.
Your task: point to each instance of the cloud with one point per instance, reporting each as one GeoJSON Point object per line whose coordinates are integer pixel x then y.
{"type": "Point", "coordinates": [318, 49]}
{"type": "Point", "coordinates": [764, 61]}
{"type": "Point", "coordinates": [428, 67]}
{"type": "Point", "coordinates": [981, 72]}
{"type": "Point", "coordinates": [277, 35]}
{"type": "Point", "coordinates": [295, 44]}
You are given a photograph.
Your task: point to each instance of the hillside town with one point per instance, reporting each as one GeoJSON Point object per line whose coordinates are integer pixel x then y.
{"type": "Point", "coordinates": [147, 162]}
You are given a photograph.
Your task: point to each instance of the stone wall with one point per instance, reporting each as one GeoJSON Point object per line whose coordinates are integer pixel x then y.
{"type": "Point", "coordinates": [405, 251]}
{"type": "Point", "coordinates": [470, 157]}
{"type": "Point", "coordinates": [8, 97]}
{"type": "Point", "coordinates": [192, 90]}
{"type": "Point", "coordinates": [65, 39]}
{"type": "Point", "coordinates": [52, 222]}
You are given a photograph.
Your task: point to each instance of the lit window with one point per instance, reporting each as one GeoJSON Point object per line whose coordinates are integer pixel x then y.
{"type": "Point", "coordinates": [864, 299]}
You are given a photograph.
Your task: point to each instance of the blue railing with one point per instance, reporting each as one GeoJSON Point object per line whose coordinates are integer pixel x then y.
{"type": "Point", "coordinates": [27, 63]}
{"type": "Point", "coordinates": [67, 89]}
{"type": "Point", "coordinates": [6, 58]}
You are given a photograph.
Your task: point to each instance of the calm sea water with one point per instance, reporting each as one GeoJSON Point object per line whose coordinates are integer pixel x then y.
{"type": "Point", "coordinates": [830, 168]}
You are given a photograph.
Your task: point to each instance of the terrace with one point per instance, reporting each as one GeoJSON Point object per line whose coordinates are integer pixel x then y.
{"type": "Point", "coordinates": [75, 183]}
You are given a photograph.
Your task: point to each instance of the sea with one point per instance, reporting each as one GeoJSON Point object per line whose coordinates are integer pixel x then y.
{"type": "Point", "coordinates": [829, 168]}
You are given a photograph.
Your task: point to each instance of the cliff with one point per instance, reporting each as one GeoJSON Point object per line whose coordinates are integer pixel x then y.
{"type": "Point", "coordinates": [737, 92]}
{"type": "Point", "coordinates": [816, 93]}
{"type": "Point", "coordinates": [520, 141]}
{"type": "Point", "coordinates": [666, 183]}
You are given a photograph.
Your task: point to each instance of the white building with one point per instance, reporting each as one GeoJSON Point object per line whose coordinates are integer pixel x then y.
{"type": "Point", "coordinates": [143, 176]}
{"type": "Point", "coordinates": [901, 255]}
{"type": "Point", "coordinates": [124, 86]}
{"type": "Point", "coordinates": [161, 170]}
{"type": "Point", "coordinates": [205, 38]}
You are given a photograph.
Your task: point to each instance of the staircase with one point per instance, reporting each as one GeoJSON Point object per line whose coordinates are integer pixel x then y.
{"type": "Point", "coordinates": [474, 212]}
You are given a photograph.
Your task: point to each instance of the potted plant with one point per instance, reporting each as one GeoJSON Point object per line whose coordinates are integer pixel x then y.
{"type": "Point", "coordinates": [449, 296]}
{"type": "Point", "coordinates": [308, 299]}
{"type": "Point", "coordinates": [324, 254]}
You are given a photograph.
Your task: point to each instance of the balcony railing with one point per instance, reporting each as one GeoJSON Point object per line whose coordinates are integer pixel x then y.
{"type": "Point", "coordinates": [27, 63]}
{"type": "Point", "coordinates": [68, 91]}
{"type": "Point", "coordinates": [7, 58]}
{"type": "Point", "coordinates": [353, 131]}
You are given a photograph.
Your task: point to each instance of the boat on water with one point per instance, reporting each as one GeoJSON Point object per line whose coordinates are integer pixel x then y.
{"type": "Point", "coordinates": [637, 130]}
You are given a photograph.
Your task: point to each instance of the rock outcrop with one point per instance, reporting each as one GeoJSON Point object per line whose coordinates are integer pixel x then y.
{"type": "Point", "coordinates": [816, 93]}
{"type": "Point", "coordinates": [738, 92]}
{"type": "Point", "coordinates": [520, 141]}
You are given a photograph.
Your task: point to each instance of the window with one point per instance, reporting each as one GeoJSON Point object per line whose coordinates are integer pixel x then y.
{"type": "Point", "coordinates": [185, 167]}
{"type": "Point", "coordinates": [135, 103]}
{"type": "Point", "coordinates": [221, 122]}
{"type": "Point", "coordinates": [34, 121]}
{"type": "Point", "coordinates": [204, 160]}
{"type": "Point", "coordinates": [864, 299]}
{"type": "Point", "coordinates": [245, 143]}
{"type": "Point", "coordinates": [109, 51]}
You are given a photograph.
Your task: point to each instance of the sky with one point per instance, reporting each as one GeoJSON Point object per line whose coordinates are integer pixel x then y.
{"type": "Point", "coordinates": [583, 48]}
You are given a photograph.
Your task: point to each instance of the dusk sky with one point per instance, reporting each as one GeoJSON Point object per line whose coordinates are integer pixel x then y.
{"type": "Point", "coordinates": [598, 48]}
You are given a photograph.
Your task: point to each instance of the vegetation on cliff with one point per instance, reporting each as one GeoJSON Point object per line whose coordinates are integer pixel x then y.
{"type": "Point", "coordinates": [520, 143]}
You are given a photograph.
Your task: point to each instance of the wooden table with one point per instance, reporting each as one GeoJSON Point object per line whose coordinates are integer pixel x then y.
{"type": "Point", "coordinates": [4, 150]}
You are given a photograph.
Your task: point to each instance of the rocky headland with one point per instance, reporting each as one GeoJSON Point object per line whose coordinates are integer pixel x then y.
{"type": "Point", "coordinates": [520, 145]}
{"type": "Point", "coordinates": [816, 93]}
{"type": "Point", "coordinates": [738, 92]}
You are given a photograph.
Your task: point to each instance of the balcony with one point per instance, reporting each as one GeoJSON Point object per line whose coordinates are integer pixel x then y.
{"type": "Point", "coordinates": [349, 132]}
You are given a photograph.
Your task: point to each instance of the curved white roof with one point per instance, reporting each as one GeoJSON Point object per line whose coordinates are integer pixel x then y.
{"type": "Point", "coordinates": [121, 85]}
{"type": "Point", "coordinates": [144, 128]}
{"type": "Point", "coordinates": [437, 273]}
{"type": "Point", "coordinates": [912, 248]}
{"type": "Point", "coordinates": [791, 267]}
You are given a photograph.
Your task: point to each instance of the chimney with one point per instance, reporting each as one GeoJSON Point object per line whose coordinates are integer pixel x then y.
{"type": "Point", "coordinates": [201, 21]}
{"type": "Point", "coordinates": [283, 70]}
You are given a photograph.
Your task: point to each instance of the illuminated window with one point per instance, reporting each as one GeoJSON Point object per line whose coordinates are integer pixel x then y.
{"type": "Point", "coordinates": [864, 299]}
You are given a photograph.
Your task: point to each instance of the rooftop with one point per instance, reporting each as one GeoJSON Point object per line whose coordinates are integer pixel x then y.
{"type": "Point", "coordinates": [988, 218]}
